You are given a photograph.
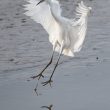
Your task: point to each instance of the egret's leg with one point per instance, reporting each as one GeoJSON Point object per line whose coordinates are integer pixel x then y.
{"type": "Point", "coordinates": [50, 80]}
{"type": "Point", "coordinates": [41, 73]}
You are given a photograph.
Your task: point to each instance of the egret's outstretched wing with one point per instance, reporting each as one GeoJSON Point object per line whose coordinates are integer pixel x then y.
{"type": "Point", "coordinates": [42, 14]}
{"type": "Point", "coordinates": [79, 27]}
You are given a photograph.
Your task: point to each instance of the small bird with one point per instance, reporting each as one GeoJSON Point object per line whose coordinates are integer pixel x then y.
{"type": "Point", "coordinates": [66, 35]}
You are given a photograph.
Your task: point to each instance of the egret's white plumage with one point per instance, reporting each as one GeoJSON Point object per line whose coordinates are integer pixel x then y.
{"type": "Point", "coordinates": [71, 32]}
{"type": "Point", "coordinates": [66, 35]}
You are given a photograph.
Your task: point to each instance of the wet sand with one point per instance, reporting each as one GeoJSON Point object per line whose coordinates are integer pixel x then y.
{"type": "Point", "coordinates": [80, 83]}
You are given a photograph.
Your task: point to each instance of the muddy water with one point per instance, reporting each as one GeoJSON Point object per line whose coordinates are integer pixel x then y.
{"type": "Point", "coordinates": [80, 83]}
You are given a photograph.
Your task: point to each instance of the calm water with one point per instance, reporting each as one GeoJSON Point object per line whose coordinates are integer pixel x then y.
{"type": "Point", "coordinates": [80, 83]}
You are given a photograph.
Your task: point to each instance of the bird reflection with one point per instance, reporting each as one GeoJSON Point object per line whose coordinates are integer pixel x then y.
{"type": "Point", "coordinates": [48, 107]}
{"type": "Point", "coordinates": [36, 89]}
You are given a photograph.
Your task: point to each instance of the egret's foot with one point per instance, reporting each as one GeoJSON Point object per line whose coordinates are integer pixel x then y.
{"type": "Point", "coordinates": [38, 76]}
{"type": "Point", "coordinates": [47, 82]}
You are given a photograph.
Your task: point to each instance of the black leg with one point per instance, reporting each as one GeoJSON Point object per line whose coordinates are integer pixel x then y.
{"type": "Point", "coordinates": [41, 73]}
{"type": "Point", "coordinates": [50, 79]}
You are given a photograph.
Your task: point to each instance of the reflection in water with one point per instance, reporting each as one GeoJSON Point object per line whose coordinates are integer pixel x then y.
{"type": "Point", "coordinates": [48, 107]}
{"type": "Point", "coordinates": [37, 86]}
{"type": "Point", "coordinates": [36, 89]}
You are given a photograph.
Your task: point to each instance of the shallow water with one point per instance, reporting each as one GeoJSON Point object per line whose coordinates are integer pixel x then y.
{"type": "Point", "coordinates": [80, 83]}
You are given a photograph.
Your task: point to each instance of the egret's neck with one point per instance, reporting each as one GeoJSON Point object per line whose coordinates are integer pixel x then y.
{"type": "Point", "coordinates": [55, 10]}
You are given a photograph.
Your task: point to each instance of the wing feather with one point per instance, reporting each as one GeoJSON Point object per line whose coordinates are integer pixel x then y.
{"type": "Point", "coordinates": [42, 14]}
{"type": "Point", "coordinates": [79, 27]}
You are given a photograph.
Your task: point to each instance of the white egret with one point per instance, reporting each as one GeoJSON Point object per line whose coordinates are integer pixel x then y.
{"type": "Point", "coordinates": [66, 35]}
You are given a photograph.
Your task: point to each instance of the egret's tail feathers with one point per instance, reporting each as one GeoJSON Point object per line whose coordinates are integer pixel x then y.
{"type": "Point", "coordinates": [66, 52]}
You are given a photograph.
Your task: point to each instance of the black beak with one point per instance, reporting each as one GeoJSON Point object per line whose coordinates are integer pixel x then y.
{"type": "Point", "coordinates": [40, 2]}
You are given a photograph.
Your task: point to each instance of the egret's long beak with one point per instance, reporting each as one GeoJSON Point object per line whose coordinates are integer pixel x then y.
{"type": "Point", "coordinates": [40, 2]}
